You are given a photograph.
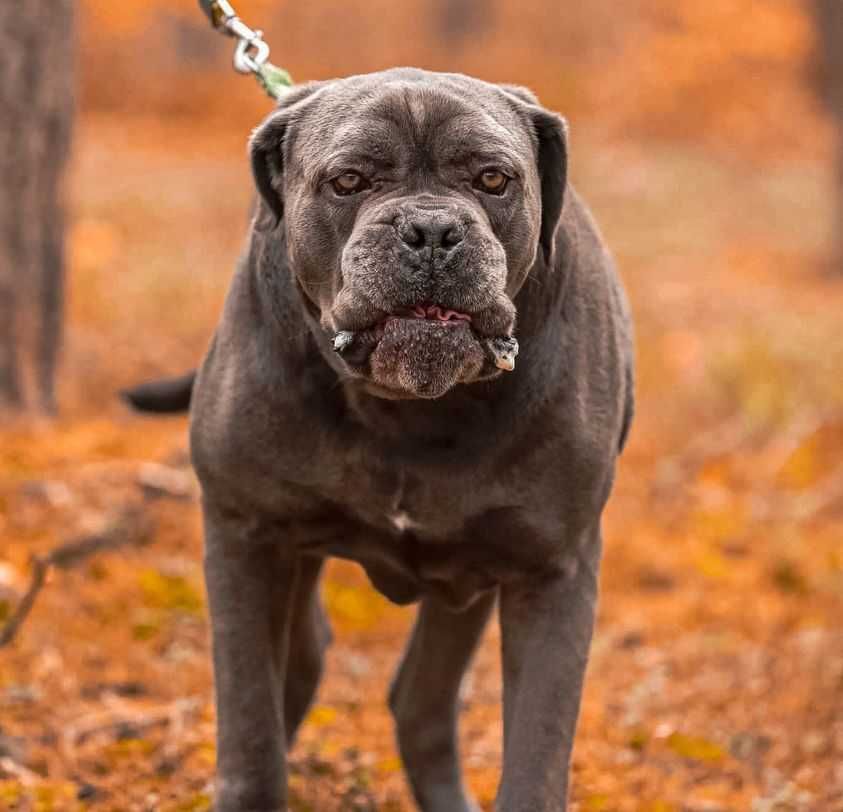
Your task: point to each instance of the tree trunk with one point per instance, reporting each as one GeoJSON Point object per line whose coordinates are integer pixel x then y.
{"type": "Point", "coordinates": [459, 20]}
{"type": "Point", "coordinates": [829, 74]}
{"type": "Point", "coordinates": [36, 107]}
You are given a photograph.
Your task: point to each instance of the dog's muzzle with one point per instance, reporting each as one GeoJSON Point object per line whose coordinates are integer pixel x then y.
{"type": "Point", "coordinates": [423, 303]}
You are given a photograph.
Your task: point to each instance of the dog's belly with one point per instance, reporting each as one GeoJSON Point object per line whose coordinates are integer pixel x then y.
{"type": "Point", "coordinates": [404, 568]}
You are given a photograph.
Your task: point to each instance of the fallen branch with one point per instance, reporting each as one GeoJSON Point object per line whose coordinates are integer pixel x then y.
{"type": "Point", "coordinates": [9, 768]}
{"type": "Point", "coordinates": [732, 436]}
{"type": "Point", "coordinates": [827, 495]}
{"type": "Point", "coordinates": [722, 439]}
{"type": "Point", "coordinates": [132, 526]}
{"type": "Point", "coordinates": [803, 506]}
{"type": "Point", "coordinates": [800, 432]}
{"type": "Point", "coordinates": [124, 718]}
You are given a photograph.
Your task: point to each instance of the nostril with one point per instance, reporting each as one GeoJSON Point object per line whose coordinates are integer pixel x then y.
{"type": "Point", "coordinates": [434, 231]}
{"type": "Point", "coordinates": [411, 235]}
{"type": "Point", "coordinates": [452, 236]}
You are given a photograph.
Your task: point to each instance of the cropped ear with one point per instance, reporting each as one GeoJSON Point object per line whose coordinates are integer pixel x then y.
{"type": "Point", "coordinates": [521, 92]}
{"type": "Point", "coordinates": [267, 147]}
{"type": "Point", "coordinates": [551, 133]}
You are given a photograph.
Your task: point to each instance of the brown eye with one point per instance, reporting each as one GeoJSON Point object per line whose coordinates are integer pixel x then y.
{"type": "Point", "coordinates": [492, 181]}
{"type": "Point", "coordinates": [349, 183]}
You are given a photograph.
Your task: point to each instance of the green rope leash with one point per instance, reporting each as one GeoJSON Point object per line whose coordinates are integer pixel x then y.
{"type": "Point", "coordinates": [275, 81]}
{"type": "Point", "coordinates": [251, 54]}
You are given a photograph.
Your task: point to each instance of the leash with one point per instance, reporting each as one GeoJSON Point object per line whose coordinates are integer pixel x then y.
{"type": "Point", "coordinates": [251, 54]}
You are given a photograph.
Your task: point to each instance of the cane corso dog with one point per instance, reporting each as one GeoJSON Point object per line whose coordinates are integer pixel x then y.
{"type": "Point", "coordinates": [424, 365]}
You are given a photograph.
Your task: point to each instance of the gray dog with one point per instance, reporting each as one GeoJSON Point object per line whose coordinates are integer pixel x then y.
{"type": "Point", "coordinates": [361, 398]}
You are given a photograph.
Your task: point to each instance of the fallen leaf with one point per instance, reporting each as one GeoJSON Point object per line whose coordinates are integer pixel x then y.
{"type": "Point", "coordinates": [695, 748]}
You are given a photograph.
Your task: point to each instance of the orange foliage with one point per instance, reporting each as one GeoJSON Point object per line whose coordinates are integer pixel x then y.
{"type": "Point", "coordinates": [716, 670]}
{"type": "Point", "coordinates": [719, 72]}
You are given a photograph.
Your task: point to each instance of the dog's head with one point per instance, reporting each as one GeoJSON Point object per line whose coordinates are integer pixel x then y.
{"type": "Point", "coordinates": [414, 205]}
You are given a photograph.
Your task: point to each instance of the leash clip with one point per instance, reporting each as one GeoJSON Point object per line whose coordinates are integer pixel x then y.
{"type": "Point", "coordinates": [251, 52]}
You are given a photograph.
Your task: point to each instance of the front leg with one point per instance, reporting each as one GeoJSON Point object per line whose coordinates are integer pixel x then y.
{"type": "Point", "coordinates": [425, 700]}
{"type": "Point", "coordinates": [546, 628]}
{"type": "Point", "coordinates": [251, 585]}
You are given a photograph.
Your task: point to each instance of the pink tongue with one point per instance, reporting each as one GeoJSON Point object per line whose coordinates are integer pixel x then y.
{"type": "Point", "coordinates": [436, 312]}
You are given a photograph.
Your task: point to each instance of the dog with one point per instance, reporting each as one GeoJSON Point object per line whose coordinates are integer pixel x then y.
{"type": "Point", "coordinates": [425, 365]}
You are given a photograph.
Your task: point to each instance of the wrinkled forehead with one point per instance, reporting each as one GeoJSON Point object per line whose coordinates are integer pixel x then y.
{"type": "Point", "coordinates": [399, 123]}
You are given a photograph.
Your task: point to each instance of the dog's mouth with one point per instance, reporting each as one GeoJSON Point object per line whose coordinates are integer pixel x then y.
{"type": "Point", "coordinates": [355, 346]}
{"type": "Point", "coordinates": [434, 313]}
{"type": "Point", "coordinates": [425, 349]}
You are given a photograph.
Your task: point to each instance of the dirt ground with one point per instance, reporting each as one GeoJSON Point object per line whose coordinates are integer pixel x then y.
{"type": "Point", "coordinates": [716, 681]}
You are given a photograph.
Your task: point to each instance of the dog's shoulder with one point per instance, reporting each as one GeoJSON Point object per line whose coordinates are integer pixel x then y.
{"type": "Point", "coordinates": [598, 345]}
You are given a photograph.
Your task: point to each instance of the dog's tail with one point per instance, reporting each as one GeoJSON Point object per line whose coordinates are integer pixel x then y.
{"type": "Point", "coordinates": [165, 396]}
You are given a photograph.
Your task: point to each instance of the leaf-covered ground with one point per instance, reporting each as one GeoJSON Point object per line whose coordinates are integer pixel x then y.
{"type": "Point", "coordinates": [716, 681]}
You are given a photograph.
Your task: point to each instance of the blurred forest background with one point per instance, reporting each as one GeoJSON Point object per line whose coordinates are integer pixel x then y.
{"type": "Point", "coordinates": [705, 137]}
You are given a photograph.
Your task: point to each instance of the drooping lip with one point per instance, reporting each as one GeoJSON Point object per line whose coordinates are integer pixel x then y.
{"type": "Point", "coordinates": [491, 313]}
{"type": "Point", "coordinates": [437, 312]}
{"type": "Point", "coordinates": [355, 346]}
{"type": "Point", "coordinates": [428, 311]}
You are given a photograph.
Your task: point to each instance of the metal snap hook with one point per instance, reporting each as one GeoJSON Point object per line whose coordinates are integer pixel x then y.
{"type": "Point", "coordinates": [251, 54]}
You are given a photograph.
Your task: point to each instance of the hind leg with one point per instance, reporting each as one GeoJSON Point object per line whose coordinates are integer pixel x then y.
{"type": "Point", "coordinates": [310, 635]}
{"type": "Point", "coordinates": [424, 700]}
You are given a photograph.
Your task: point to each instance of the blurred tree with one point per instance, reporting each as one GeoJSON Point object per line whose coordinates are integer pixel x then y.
{"type": "Point", "coordinates": [829, 16]}
{"type": "Point", "coordinates": [460, 19]}
{"type": "Point", "coordinates": [36, 105]}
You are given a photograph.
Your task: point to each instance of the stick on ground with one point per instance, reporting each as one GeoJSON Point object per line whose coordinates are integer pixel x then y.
{"type": "Point", "coordinates": [132, 526]}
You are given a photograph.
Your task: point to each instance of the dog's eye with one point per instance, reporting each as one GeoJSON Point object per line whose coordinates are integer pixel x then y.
{"type": "Point", "coordinates": [349, 183]}
{"type": "Point", "coordinates": [491, 181]}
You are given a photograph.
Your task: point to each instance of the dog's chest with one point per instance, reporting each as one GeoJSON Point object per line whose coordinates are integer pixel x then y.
{"type": "Point", "coordinates": [453, 530]}
{"type": "Point", "coordinates": [399, 501]}
{"type": "Point", "coordinates": [412, 537]}
{"type": "Point", "coordinates": [403, 521]}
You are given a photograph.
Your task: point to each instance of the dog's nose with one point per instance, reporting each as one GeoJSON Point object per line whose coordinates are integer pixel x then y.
{"type": "Point", "coordinates": [430, 230]}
